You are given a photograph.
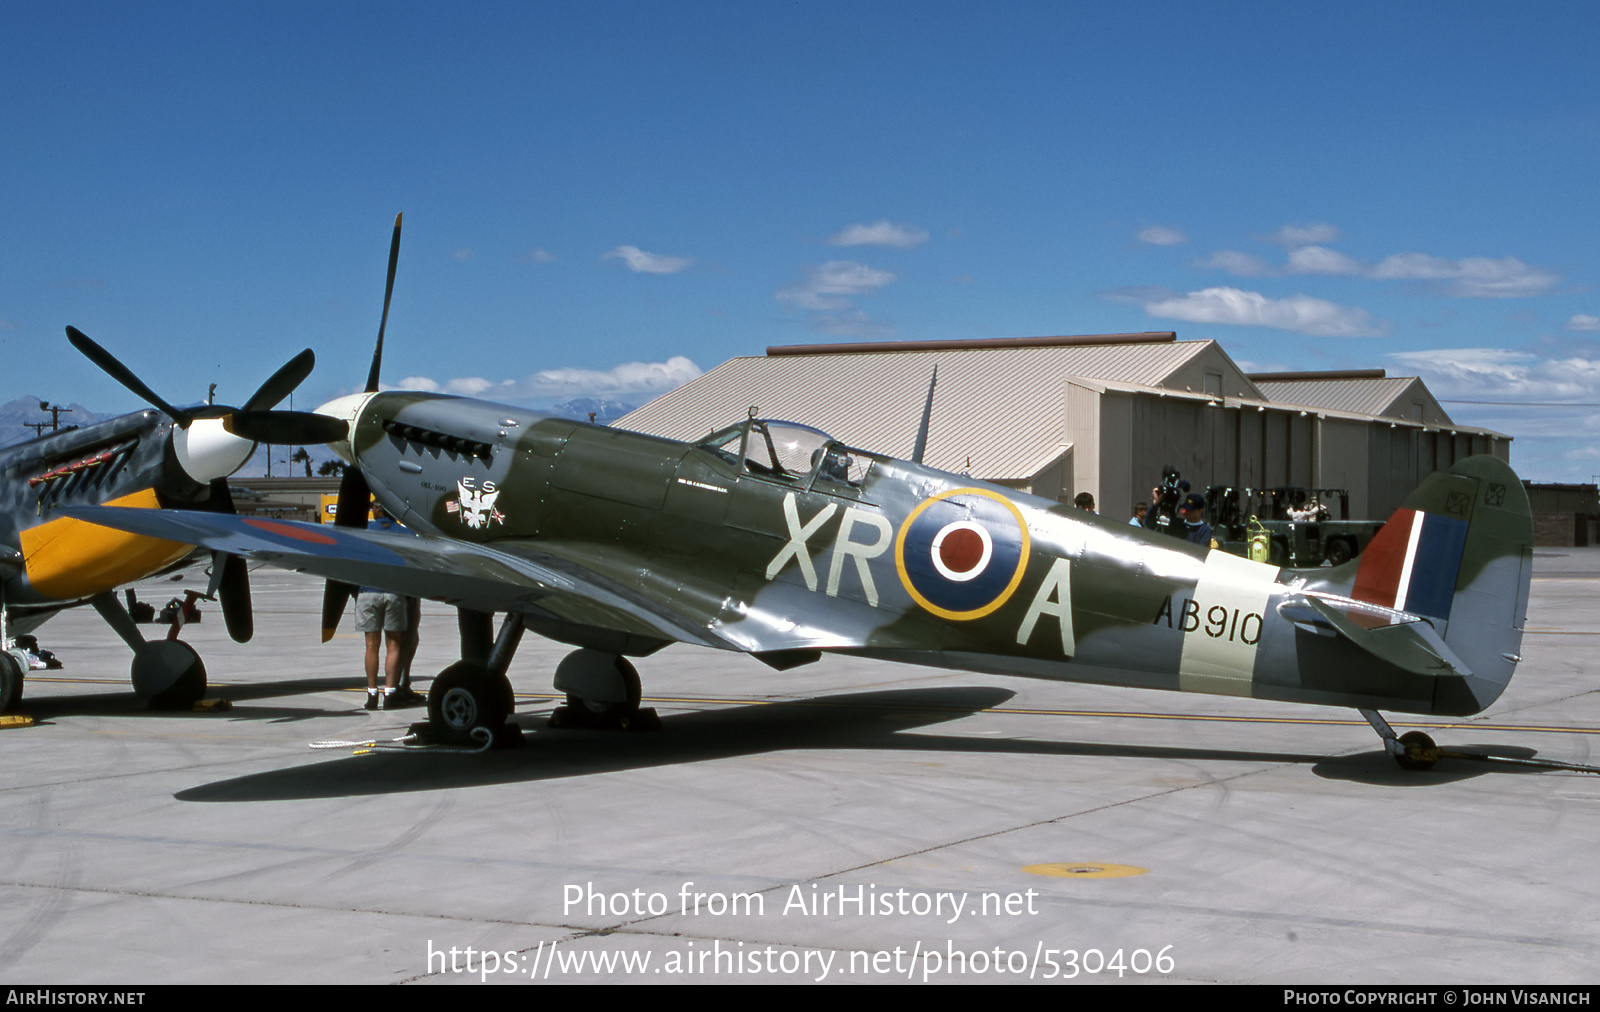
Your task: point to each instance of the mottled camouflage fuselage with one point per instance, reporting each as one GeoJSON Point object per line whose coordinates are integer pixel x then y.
{"type": "Point", "coordinates": [126, 460]}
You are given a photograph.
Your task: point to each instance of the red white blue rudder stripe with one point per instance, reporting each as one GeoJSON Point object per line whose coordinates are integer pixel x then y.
{"type": "Point", "coordinates": [1413, 563]}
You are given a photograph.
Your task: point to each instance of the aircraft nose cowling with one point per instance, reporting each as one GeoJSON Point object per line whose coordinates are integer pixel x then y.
{"type": "Point", "coordinates": [207, 451]}
{"type": "Point", "coordinates": [346, 409]}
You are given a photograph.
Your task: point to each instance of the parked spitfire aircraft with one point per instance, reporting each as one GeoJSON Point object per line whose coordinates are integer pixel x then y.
{"type": "Point", "coordinates": [165, 458]}
{"type": "Point", "coordinates": [773, 539]}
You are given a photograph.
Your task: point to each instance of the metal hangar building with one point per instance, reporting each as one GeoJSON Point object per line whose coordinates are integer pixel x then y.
{"type": "Point", "coordinates": [1098, 413]}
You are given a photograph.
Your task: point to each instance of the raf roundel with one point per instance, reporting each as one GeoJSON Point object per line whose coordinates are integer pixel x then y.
{"type": "Point", "coordinates": [961, 553]}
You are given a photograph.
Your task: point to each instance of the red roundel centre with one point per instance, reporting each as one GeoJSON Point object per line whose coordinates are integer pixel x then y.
{"type": "Point", "coordinates": [961, 550]}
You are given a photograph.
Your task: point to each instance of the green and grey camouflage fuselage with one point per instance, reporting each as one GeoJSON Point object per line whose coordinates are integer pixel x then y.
{"type": "Point", "coordinates": [770, 538]}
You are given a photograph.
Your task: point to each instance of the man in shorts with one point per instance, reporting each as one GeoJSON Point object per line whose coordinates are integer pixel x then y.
{"type": "Point", "coordinates": [391, 617]}
{"type": "Point", "coordinates": [381, 615]}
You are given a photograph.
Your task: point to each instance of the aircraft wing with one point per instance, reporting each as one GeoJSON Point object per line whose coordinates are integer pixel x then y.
{"type": "Point", "coordinates": [456, 572]}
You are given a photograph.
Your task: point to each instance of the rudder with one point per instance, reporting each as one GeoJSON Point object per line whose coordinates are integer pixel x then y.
{"type": "Point", "coordinates": [1459, 553]}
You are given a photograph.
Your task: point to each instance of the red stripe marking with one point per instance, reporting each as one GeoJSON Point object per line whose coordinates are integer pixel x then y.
{"type": "Point", "coordinates": [1378, 578]}
{"type": "Point", "coordinates": [287, 531]}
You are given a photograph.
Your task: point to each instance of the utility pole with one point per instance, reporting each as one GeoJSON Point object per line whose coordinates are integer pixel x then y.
{"type": "Point", "coordinates": [56, 411]}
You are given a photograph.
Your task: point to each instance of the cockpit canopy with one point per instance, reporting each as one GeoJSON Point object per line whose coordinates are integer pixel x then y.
{"type": "Point", "coordinates": [788, 450]}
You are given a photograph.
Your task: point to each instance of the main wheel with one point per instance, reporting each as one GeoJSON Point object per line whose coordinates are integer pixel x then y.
{"type": "Point", "coordinates": [1339, 552]}
{"type": "Point", "coordinates": [10, 682]}
{"type": "Point", "coordinates": [1420, 751]}
{"type": "Point", "coordinates": [464, 696]}
{"type": "Point", "coordinates": [169, 674]}
{"type": "Point", "coordinates": [624, 708]}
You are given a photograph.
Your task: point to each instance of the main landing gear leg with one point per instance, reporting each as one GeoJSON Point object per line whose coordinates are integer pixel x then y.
{"type": "Point", "coordinates": [472, 693]}
{"type": "Point", "coordinates": [168, 673]}
{"type": "Point", "coordinates": [602, 691]}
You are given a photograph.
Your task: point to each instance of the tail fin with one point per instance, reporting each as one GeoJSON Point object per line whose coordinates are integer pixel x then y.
{"type": "Point", "coordinates": [1460, 554]}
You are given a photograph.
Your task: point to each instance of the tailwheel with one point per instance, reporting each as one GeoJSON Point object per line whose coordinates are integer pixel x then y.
{"type": "Point", "coordinates": [169, 674]}
{"type": "Point", "coordinates": [1417, 751]}
{"type": "Point", "coordinates": [465, 696]}
{"type": "Point", "coordinates": [614, 709]}
{"type": "Point", "coordinates": [602, 691]}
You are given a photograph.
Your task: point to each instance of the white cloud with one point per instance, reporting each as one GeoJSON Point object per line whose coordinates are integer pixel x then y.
{"type": "Point", "coordinates": [1583, 321]}
{"type": "Point", "coordinates": [538, 256]}
{"type": "Point", "coordinates": [1240, 265]}
{"type": "Point", "coordinates": [462, 254]}
{"type": "Point", "coordinates": [1472, 277]}
{"type": "Point", "coordinates": [832, 285]}
{"type": "Point", "coordinates": [1469, 277]}
{"type": "Point", "coordinates": [648, 263]}
{"type": "Point", "coordinates": [1304, 235]}
{"type": "Point", "coordinates": [880, 233]}
{"type": "Point", "coordinates": [1301, 314]}
{"type": "Point", "coordinates": [1321, 260]}
{"type": "Point", "coordinates": [1504, 374]}
{"type": "Point", "coordinates": [628, 378]}
{"type": "Point", "coordinates": [1161, 235]}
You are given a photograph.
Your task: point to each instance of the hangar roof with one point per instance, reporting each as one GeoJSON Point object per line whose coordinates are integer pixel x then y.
{"type": "Point", "coordinates": [1000, 409]}
{"type": "Point", "coordinates": [1001, 406]}
{"type": "Point", "coordinates": [1367, 392]}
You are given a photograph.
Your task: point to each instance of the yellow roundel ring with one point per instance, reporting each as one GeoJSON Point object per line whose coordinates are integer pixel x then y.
{"type": "Point", "coordinates": [962, 561]}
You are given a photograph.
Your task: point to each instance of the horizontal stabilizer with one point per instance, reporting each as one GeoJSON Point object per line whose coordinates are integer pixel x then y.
{"type": "Point", "coordinates": [1406, 641]}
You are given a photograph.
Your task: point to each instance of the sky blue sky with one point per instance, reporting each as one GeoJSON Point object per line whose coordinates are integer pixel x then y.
{"type": "Point", "coordinates": [603, 198]}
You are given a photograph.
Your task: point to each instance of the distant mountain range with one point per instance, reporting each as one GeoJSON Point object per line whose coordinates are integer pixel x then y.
{"type": "Point", "coordinates": [605, 412]}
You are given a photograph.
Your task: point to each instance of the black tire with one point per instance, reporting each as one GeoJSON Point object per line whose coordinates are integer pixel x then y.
{"type": "Point", "coordinates": [464, 696]}
{"type": "Point", "coordinates": [630, 681]}
{"type": "Point", "coordinates": [170, 674]}
{"type": "Point", "coordinates": [1420, 751]}
{"type": "Point", "coordinates": [10, 683]}
{"type": "Point", "coordinates": [1340, 551]}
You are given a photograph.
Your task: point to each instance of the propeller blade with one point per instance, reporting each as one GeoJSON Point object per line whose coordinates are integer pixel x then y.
{"type": "Point", "coordinates": [351, 511]}
{"type": "Point", "coordinates": [388, 291]}
{"type": "Point", "coordinates": [230, 577]}
{"type": "Point", "coordinates": [286, 427]}
{"type": "Point", "coordinates": [122, 374]}
{"type": "Point", "coordinates": [235, 596]}
{"type": "Point", "coordinates": [281, 383]}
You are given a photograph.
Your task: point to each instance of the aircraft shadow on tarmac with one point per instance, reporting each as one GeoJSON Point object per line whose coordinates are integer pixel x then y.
{"type": "Point", "coordinates": [874, 721]}
{"type": "Point", "coordinates": [125, 704]}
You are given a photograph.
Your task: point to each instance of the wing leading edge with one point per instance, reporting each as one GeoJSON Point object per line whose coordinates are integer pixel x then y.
{"type": "Point", "coordinates": [459, 573]}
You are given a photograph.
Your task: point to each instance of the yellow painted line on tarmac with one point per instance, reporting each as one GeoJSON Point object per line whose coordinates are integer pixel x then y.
{"type": "Point", "coordinates": [927, 711]}
{"type": "Point", "coordinates": [1219, 718]}
{"type": "Point", "coordinates": [1085, 869]}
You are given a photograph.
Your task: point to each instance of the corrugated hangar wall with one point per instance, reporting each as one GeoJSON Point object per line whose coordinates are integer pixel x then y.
{"type": "Point", "coordinates": [1122, 440]}
{"type": "Point", "coordinates": [1253, 446]}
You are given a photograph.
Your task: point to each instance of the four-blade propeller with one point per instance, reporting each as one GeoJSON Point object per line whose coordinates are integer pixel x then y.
{"type": "Point", "coordinates": [213, 441]}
